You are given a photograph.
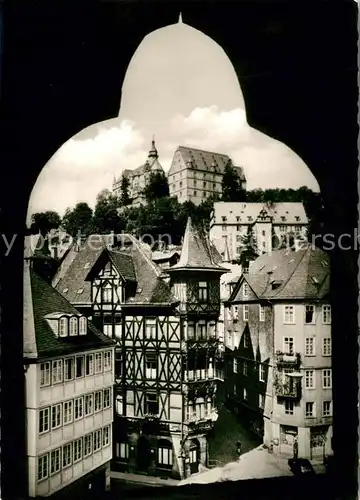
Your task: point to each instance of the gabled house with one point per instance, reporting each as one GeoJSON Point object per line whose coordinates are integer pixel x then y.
{"type": "Point", "coordinates": [281, 309]}
{"type": "Point", "coordinates": [69, 377]}
{"type": "Point", "coordinates": [161, 418]}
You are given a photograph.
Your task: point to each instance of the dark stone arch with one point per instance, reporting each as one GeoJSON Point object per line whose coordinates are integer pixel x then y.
{"type": "Point", "coordinates": [307, 101]}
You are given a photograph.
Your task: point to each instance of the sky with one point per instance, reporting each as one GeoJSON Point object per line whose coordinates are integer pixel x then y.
{"type": "Point", "coordinates": [180, 87]}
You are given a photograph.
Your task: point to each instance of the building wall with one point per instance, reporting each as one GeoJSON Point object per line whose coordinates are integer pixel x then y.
{"type": "Point", "coordinates": [55, 437]}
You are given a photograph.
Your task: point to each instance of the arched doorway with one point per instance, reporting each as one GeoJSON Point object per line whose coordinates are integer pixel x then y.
{"type": "Point", "coordinates": [194, 455]}
{"type": "Point", "coordinates": [143, 454]}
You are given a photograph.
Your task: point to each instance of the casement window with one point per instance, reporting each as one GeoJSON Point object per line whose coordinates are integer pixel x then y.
{"type": "Point", "coordinates": [89, 364]}
{"type": "Point", "coordinates": [73, 326]}
{"type": "Point", "coordinates": [309, 379]}
{"type": "Point", "coordinates": [89, 404]}
{"type": "Point", "coordinates": [43, 467]}
{"type": "Point", "coordinates": [77, 450]}
{"type": "Point", "coordinates": [245, 340]}
{"type": "Point", "coordinates": [56, 412]}
{"type": "Point", "coordinates": [309, 314]}
{"type": "Point", "coordinates": [68, 412]}
{"type": "Point", "coordinates": [98, 362]}
{"type": "Point", "coordinates": [245, 368]}
{"type": "Point", "coordinates": [97, 440]}
{"type": "Point", "coordinates": [44, 374]}
{"type": "Point", "coordinates": [44, 420]}
{"type": "Point", "coordinates": [63, 327]}
{"type": "Point", "coordinates": [55, 461]}
{"type": "Point", "coordinates": [289, 315]}
{"type": "Point", "coordinates": [326, 346]}
{"type": "Point", "coordinates": [235, 312]}
{"type": "Point", "coordinates": [261, 401]}
{"type": "Point", "coordinates": [118, 364]}
{"type": "Point", "coordinates": [261, 372]}
{"type": "Point", "coordinates": [108, 330]}
{"type": "Point", "coordinates": [107, 398]}
{"type": "Point", "coordinates": [288, 345]}
{"type": "Point", "coordinates": [261, 313]}
{"type": "Point", "coordinates": [80, 366]}
{"type": "Point", "coordinates": [150, 328]}
{"type": "Point", "coordinates": [79, 408]}
{"type": "Point", "coordinates": [327, 409]}
{"type": "Point", "coordinates": [107, 361]}
{"type": "Point", "coordinates": [289, 407]}
{"type": "Point", "coordinates": [106, 436]}
{"type": "Point", "coordinates": [203, 291]}
{"type": "Point", "coordinates": [165, 454]}
{"type": "Point", "coordinates": [327, 379]}
{"type": "Point", "coordinates": [122, 450]}
{"type": "Point", "coordinates": [57, 371]}
{"type": "Point", "coordinates": [119, 404]}
{"type": "Point", "coordinates": [245, 312]}
{"type": "Point", "coordinates": [98, 401]}
{"type": "Point", "coordinates": [326, 314]}
{"type": "Point", "coordinates": [310, 346]}
{"type": "Point", "coordinates": [151, 365]}
{"type": "Point", "coordinates": [69, 367]}
{"type": "Point", "coordinates": [151, 403]}
{"type": "Point", "coordinates": [201, 331]}
{"type": "Point", "coordinates": [107, 294]}
{"type": "Point", "coordinates": [190, 330]}
{"type": "Point", "coordinates": [67, 455]}
{"type": "Point", "coordinates": [88, 442]}
{"type": "Point", "coordinates": [245, 394]}
{"type": "Point", "coordinates": [83, 325]}
{"type": "Point", "coordinates": [235, 365]}
{"type": "Point", "coordinates": [245, 290]}
{"type": "Point", "coordinates": [309, 410]}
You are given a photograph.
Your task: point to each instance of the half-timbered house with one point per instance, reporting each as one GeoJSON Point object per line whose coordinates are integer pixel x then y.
{"type": "Point", "coordinates": [168, 358]}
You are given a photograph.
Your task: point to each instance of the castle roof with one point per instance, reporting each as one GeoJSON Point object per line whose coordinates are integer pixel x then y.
{"type": "Point", "coordinates": [248, 213]}
{"type": "Point", "coordinates": [208, 161]}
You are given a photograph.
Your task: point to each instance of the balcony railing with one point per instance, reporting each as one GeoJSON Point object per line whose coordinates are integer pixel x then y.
{"type": "Point", "coordinates": [203, 374]}
{"type": "Point", "coordinates": [202, 424]}
{"type": "Point", "coordinates": [290, 359]}
{"type": "Point", "coordinates": [291, 389]}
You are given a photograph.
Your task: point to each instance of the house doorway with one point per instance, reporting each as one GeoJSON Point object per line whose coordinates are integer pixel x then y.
{"type": "Point", "coordinates": [143, 454]}
{"type": "Point", "coordinates": [194, 455]}
{"type": "Point", "coordinates": [287, 438]}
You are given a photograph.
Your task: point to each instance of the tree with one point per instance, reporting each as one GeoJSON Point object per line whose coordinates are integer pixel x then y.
{"type": "Point", "coordinates": [124, 191]}
{"type": "Point", "coordinates": [43, 222]}
{"type": "Point", "coordinates": [106, 217]}
{"type": "Point", "coordinates": [231, 185]}
{"type": "Point", "coordinates": [249, 247]}
{"type": "Point", "coordinates": [78, 220]}
{"type": "Point", "coordinates": [157, 187]}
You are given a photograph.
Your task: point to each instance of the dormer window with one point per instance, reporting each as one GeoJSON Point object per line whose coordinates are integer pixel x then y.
{"type": "Point", "coordinates": [82, 325]}
{"type": "Point", "coordinates": [63, 327]}
{"type": "Point", "coordinates": [73, 326]}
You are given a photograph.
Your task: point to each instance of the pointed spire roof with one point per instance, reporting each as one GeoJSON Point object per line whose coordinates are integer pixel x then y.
{"type": "Point", "coordinates": [180, 18]}
{"type": "Point", "coordinates": [153, 153]}
{"type": "Point", "coordinates": [196, 254]}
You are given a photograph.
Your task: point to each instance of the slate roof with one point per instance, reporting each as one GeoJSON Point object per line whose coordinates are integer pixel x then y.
{"type": "Point", "coordinates": [40, 341]}
{"type": "Point", "coordinates": [197, 253]}
{"type": "Point", "coordinates": [132, 263]}
{"type": "Point", "coordinates": [247, 213]}
{"type": "Point", "coordinates": [152, 163]}
{"type": "Point", "coordinates": [207, 160]}
{"type": "Point", "coordinates": [302, 274]}
{"type": "Point", "coordinates": [161, 255]}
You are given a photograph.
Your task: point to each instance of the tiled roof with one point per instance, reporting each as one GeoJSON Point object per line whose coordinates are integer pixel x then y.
{"type": "Point", "coordinates": [131, 261]}
{"type": "Point", "coordinates": [247, 213]}
{"type": "Point", "coordinates": [163, 255]}
{"type": "Point", "coordinates": [285, 274]}
{"type": "Point", "coordinates": [207, 160]}
{"type": "Point", "coordinates": [40, 300]}
{"type": "Point", "coordinates": [197, 252]}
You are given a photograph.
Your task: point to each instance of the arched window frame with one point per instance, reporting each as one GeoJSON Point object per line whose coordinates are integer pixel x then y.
{"type": "Point", "coordinates": [73, 326]}
{"type": "Point", "coordinates": [63, 326]}
{"type": "Point", "coordinates": [82, 325]}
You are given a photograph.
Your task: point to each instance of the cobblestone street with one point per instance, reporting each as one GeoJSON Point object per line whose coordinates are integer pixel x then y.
{"type": "Point", "coordinates": [228, 430]}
